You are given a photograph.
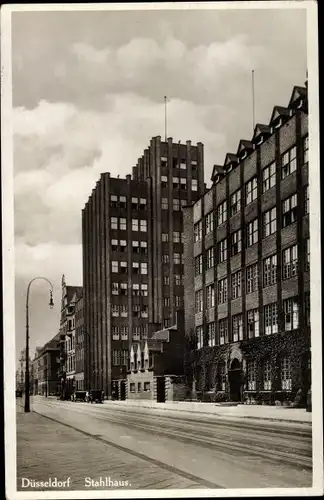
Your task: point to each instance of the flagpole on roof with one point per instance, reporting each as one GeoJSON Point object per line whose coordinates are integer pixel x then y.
{"type": "Point", "coordinates": [165, 118]}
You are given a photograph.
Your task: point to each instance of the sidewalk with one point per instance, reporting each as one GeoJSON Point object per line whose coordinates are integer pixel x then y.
{"type": "Point", "coordinates": [256, 412]}
{"type": "Point", "coordinates": [49, 451]}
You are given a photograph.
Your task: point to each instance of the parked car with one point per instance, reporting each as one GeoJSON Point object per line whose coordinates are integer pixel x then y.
{"type": "Point", "coordinates": [18, 393]}
{"type": "Point", "coordinates": [95, 396]}
{"type": "Point", "coordinates": [79, 396]}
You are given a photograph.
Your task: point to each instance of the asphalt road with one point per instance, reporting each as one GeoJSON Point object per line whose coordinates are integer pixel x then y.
{"type": "Point", "coordinates": [215, 452]}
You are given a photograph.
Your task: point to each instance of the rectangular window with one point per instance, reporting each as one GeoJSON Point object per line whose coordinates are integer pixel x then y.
{"type": "Point", "coordinates": [132, 387]}
{"type": "Point", "coordinates": [222, 250]}
{"type": "Point", "coordinates": [144, 332]}
{"type": "Point", "coordinates": [175, 182]}
{"type": "Point", "coordinates": [291, 313]}
{"type": "Point", "coordinates": [251, 190]}
{"type": "Point", "coordinates": [114, 266]}
{"type": "Point", "coordinates": [134, 203]}
{"type": "Point", "coordinates": [177, 258]}
{"type": "Point", "coordinates": [183, 164]}
{"type": "Point", "coordinates": [235, 202]}
{"type": "Point", "coordinates": [135, 246]}
{"type": "Point", "coordinates": [143, 226]}
{"type": "Point", "coordinates": [147, 386]}
{"type": "Point", "coordinates": [305, 149]}
{"type": "Point", "coordinates": [288, 162]}
{"type": "Point", "coordinates": [222, 291]}
{"type": "Point", "coordinates": [200, 337]}
{"type": "Point", "coordinates": [178, 301]}
{"type": "Point", "coordinates": [176, 204]}
{"type": "Point", "coordinates": [222, 377]}
{"type": "Point", "coordinates": [115, 288]}
{"type": "Point", "coordinates": [136, 289]}
{"type": "Point", "coordinates": [252, 323]}
{"type": "Point", "coordinates": [210, 258]}
{"type": "Point", "coordinates": [199, 301]}
{"type": "Point", "coordinates": [136, 310]}
{"type": "Point", "coordinates": [183, 183]}
{"type": "Point", "coordinates": [270, 271]}
{"type": "Point", "coordinates": [165, 258]}
{"type": "Point", "coordinates": [194, 185]}
{"type": "Point", "coordinates": [114, 245]}
{"type": "Point", "coordinates": [124, 357]}
{"type": "Point", "coordinates": [123, 288]}
{"type": "Point", "coordinates": [144, 290]}
{"type": "Point", "coordinates": [236, 242]}
{"type": "Point", "coordinates": [252, 233]}
{"type": "Point", "coordinates": [122, 224]}
{"type": "Point", "coordinates": [164, 181]}
{"type": "Point", "coordinates": [270, 319]}
{"type": "Point", "coordinates": [178, 279]}
{"type": "Point", "coordinates": [306, 200]}
{"type": "Point", "coordinates": [251, 374]}
{"type": "Point", "coordinates": [176, 237]}
{"type": "Point", "coordinates": [198, 231]}
{"type": "Point", "coordinates": [124, 332]}
{"type": "Point", "coordinates": [142, 203]}
{"type": "Point", "coordinates": [143, 249]}
{"type": "Point", "coordinates": [135, 225]}
{"type": "Point", "coordinates": [286, 379]}
{"type": "Point", "coordinates": [269, 222]}
{"type": "Point", "coordinates": [211, 334]}
{"type": "Point", "coordinates": [209, 223]}
{"type": "Point", "coordinates": [289, 262]}
{"type": "Point", "coordinates": [166, 280]}
{"type": "Point", "coordinates": [210, 293]}
{"type": "Point", "coordinates": [289, 210]}
{"type": "Point", "coordinates": [115, 310]}
{"type": "Point", "coordinates": [115, 332]}
{"type": "Point", "coordinates": [269, 177]}
{"type": "Point", "coordinates": [237, 328]}
{"type": "Point", "coordinates": [122, 202]}
{"type": "Point", "coordinates": [116, 358]}
{"type": "Point", "coordinates": [165, 237]}
{"type": "Point", "coordinates": [252, 274]}
{"type": "Point", "coordinates": [123, 311]}
{"type": "Point", "coordinates": [164, 203]}
{"type": "Point", "coordinates": [198, 265]}
{"type": "Point", "coordinates": [223, 331]}
{"type": "Point", "coordinates": [222, 213]}
{"type": "Point", "coordinates": [166, 301]}
{"type": "Point", "coordinates": [114, 223]}
{"type": "Point", "coordinates": [113, 201]}
{"type": "Point", "coordinates": [143, 267]}
{"type": "Point", "coordinates": [135, 267]}
{"type": "Point", "coordinates": [236, 285]}
{"type": "Point", "coordinates": [122, 245]}
{"type": "Point", "coordinates": [144, 311]}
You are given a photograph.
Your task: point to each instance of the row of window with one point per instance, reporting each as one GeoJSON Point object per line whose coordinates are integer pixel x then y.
{"type": "Point", "coordinates": [179, 182]}
{"type": "Point", "coordinates": [270, 322]}
{"type": "Point", "coordinates": [121, 267]}
{"type": "Point", "coordinates": [138, 289]}
{"type": "Point", "coordinates": [120, 357]}
{"type": "Point", "coordinates": [269, 219]}
{"type": "Point", "coordinates": [121, 202]}
{"type": "Point", "coordinates": [177, 237]}
{"type": "Point", "coordinates": [266, 373]}
{"type": "Point", "coordinates": [269, 277]}
{"type": "Point", "coordinates": [178, 280]}
{"type": "Point", "coordinates": [138, 310]}
{"type": "Point", "coordinates": [182, 164]}
{"type": "Point", "coordinates": [146, 387]}
{"type": "Point", "coordinates": [177, 257]}
{"type": "Point", "coordinates": [139, 247]}
{"type": "Point", "coordinates": [121, 223]}
{"type": "Point", "coordinates": [176, 204]}
{"type": "Point", "coordinates": [121, 332]}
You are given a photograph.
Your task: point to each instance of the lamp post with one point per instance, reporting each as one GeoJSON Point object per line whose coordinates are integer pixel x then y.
{"type": "Point", "coordinates": [51, 304]}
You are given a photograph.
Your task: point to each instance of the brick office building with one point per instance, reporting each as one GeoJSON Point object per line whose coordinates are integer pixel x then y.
{"type": "Point", "coordinates": [132, 255]}
{"type": "Point", "coordinates": [247, 284]}
{"type": "Point", "coordinates": [79, 345]}
{"type": "Point", "coordinates": [47, 364]}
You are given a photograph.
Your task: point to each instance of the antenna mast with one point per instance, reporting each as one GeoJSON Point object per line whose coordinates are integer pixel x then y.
{"type": "Point", "coordinates": [253, 101]}
{"type": "Point", "coordinates": [165, 118]}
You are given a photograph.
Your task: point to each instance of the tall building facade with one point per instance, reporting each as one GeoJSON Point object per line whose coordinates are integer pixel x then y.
{"type": "Point", "coordinates": [246, 267]}
{"type": "Point", "coordinates": [132, 255]}
{"type": "Point", "coordinates": [79, 345]}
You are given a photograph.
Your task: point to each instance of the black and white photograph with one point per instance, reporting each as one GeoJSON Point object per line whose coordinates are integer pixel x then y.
{"type": "Point", "coordinates": [161, 250]}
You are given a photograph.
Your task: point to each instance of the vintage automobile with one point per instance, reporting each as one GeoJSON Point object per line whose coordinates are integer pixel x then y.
{"type": "Point", "coordinates": [95, 396]}
{"type": "Point", "coordinates": [79, 396]}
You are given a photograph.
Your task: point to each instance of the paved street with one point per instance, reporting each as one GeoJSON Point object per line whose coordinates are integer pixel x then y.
{"type": "Point", "coordinates": [152, 448]}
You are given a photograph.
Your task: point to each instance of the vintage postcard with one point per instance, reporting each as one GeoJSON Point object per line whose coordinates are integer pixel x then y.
{"type": "Point", "coordinates": [161, 250]}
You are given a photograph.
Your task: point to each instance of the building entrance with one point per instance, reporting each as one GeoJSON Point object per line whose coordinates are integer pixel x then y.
{"type": "Point", "coordinates": [235, 381]}
{"type": "Point", "coordinates": [160, 389]}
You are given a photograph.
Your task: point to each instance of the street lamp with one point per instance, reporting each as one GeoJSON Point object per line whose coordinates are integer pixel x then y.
{"type": "Point", "coordinates": [51, 304]}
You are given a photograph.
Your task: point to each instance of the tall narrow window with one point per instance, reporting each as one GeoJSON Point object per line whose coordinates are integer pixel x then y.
{"type": "Point", "coordinates": [251, 374]}
{"type": "Point", "coordinates": [252, 278]}
{"type": "Point", "coordinates": [236, 285]}
{"type": "Point", "coordinates": [210, 258]}
{"type": "Point", "coordinates": [269, 177]}
{"type": "Point", "coordinates": [286, 379]}
{"type": "Point", "coordinates": [270, 318]}
{"type": "Point", "coordinates": [211, 334]}
{"type": "Point", "coordinates": [290, 262]}
{"type": "Point", "coordinates": [236, 242]}
{"type": "Point", "coordinates": [198, 231]}
{"type": "Point", "coordinates": [291, 313]}
{"type": "Point", "coordinates": [143, 225]}
{"type": "Point", "coordinates": [199, 301]}
{"type": "Point", "coordinates": [267, 375]}
{"type": "Point", "coordinates": [289, 210]}
{"type": "Point", "coordinates": [222, 291]}
{"type": "Point", "coordinates": [237, 327]}
{"type": "Point", "coordinates": [306, 200]}
{"type": "Point", "coordinates": [114, 223]}
{"type": "Point", "coordinates": [305, 149]}
{"type": "Point", "coordinates": [307, 254]}
{"type": "Point", "coordinates": [251, 190]}
{"type": "Point", "coordinates": [235, 202]}
{"type": "Point", "coordinates": [270, 271]}
{"type": "Point", "coordinates": [222, 213]}
{"type": "Point", "coordinates": [269, 222]}
{"type": "Point", "coordinates": [200, 337]}
{"type": "Point", "coordinates": [209, 223]}
{"type": "Point", "coordinates": [288, 162]}
{"type": "Point", "coordinates": [252, 233]}
{"type": "Point", "coordinates": [222, 250]}
{"type": "Point", "coordinates": [223, 331]}
{"type": "Point", "coordinates": [253, 323]}
{"type": "Point", "coordinates": [134, 224]}
{"type": "Point", "coordinates": [210, 293]}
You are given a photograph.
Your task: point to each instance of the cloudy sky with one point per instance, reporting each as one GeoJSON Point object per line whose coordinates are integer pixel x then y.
{"type": "Point", "coordinates": [88, 92]}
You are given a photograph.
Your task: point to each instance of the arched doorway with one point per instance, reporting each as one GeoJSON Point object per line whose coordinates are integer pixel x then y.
{"type": "Point", "coordinates": [235, 380]}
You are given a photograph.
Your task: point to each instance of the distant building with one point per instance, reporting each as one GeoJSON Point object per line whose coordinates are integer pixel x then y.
{"type": "Point", "coordinates": [66, 340]}
{"type": "Point", "coordinates": [46, 364]}
{"type": "Point", "coordinates": [21, 371]}
{"type": "Point", "coordinates": [132, 255]}
{"type": "Point", "coordinates": [79, 345]}
{"type": "Point", "coordinates": [156, 366]}
{"type": "Point", "coordinates": [246, 267]}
